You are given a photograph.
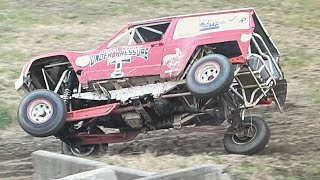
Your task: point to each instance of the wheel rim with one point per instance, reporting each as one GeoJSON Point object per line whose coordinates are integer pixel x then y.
{"type": "Point", "coordinates": [39, 111]}
{"type": "Point", "coordinates": [84, 150]}
{"type": "Point", "coordinates": [250, 133]}
{"type": "Point", "coordinates": [207, 72]}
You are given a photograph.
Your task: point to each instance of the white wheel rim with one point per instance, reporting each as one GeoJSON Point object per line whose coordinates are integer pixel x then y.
{"type": "Point", "coordinates": [39, 111]}
{"type": "Point", "coordinates": [207, 72]}
{"type": "Point", "coordinates": [237, 140]}
{"type": "Point", "coordinates": [79, 152]}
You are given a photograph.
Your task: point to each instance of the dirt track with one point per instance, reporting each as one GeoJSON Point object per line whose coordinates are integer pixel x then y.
{"type": "Point", "coordinates": [294, 142]}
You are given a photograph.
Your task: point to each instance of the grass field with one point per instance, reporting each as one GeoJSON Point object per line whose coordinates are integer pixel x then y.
{"type": "Point", "coordinates": [5, 118]}
{"type": "Point", "coordinates": [29, 28]}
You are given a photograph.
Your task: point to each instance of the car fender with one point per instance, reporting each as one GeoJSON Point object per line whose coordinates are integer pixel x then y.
{"type": "Point", "coordinates": [71, 56]}
{"type": "Point", "coordinates": [177, 54]}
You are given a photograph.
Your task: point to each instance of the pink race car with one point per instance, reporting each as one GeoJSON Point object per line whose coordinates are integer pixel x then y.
{"type": "Point", "coordinates": [173, 72]}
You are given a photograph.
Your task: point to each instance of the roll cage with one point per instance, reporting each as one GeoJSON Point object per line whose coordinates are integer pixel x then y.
{"type": "Point", "coordinates": [140, 34]}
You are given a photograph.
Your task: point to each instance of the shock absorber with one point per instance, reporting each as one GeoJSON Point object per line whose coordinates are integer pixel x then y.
{"type": "Point", "coordinates": [70, 85]}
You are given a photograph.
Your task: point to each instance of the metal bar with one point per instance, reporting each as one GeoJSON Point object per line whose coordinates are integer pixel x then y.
{"type": "Point", "coordinates": [45, 79]}
{"type": "Point", "coordinates": [119, 37]}
{"type": "Point", "coordinates": [243, 93]}
{"type": "Point", "coordinates": [202, 52]}
{"type": "Point", "coordinates": [49, 77]}
{"type": "Point", "coordinates": [208, 102]}
{"type": "Point", "coordinates": [131, 36]}
{"type": "Point", "coordinates": [236, 72]}
{"type": "Point", "coordinates": [253, 94]}
{"type": "Point", "coordinates": [262, 54]}
{"type": "Point", "coordinates": [79, 90]}
{"type": "Point", "coordinates": [191, 62]}
{"type": "Point", "coordinates": [58, 64]}
{"type": "Point", "coordinates": [268, 71]}
{"type": "Point", "coordinates": [250, 86]}
{"type": "Point", "coordinates": [139, 35]}
{"type": "Point", "coordinates": [273, 60]}
{"type": "Point", "coordinates": [152, 30]}
{"type": "Point", "coordinates": [153, 24]}
{"type": "Point", "coordinates": [91, 112]}
{"type": "Point", "coordinates": [176, 95]}
{"type": "Point", "coordinates": [236, 92]}
{"type": "Point", "coordinates": [195, 101]}
{"type": "Point", "coordinates": [207, 130]}
{"type": "Point", "coordinates": [86, 139]}
{"type": "Point", "coordinates": [258, 83]}
{"type": "Point", "coordinates": [258, 100]}
{"type": "Point", "coordinates": [60, 81]}
{"type": "Point", "coordinates": [185, 99]}
{"type": "Point", "coordinates": [126, 109]}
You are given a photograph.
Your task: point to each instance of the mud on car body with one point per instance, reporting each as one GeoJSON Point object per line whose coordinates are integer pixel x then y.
{"type": "Point", "coordinates": [172, 72]}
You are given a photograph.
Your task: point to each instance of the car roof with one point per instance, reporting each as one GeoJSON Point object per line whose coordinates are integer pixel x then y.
{"type": "Point", "coordinates": [169, 18]}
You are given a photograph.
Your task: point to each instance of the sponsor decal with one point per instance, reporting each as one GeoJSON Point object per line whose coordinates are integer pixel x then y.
{"type": "Point", "coordinates": [118, 62]}
{"type": "Point", "coordinates": [172, 61]}
{"type": "Point", "coordinates": [116, 56]}
{"type": "Point", "coordinates": [138, 51]}
{"type": "Point", "coordinates": [206, 24]}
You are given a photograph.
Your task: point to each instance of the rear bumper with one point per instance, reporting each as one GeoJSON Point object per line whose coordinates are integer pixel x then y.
{"type": "Point", "coordinates": [281, 91]}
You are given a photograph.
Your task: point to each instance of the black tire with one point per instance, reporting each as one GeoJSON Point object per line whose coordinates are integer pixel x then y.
{"type": "Point", "coordinates": [248, 145]}
{"type": "Point", "coordinates": [85, 150]}
{"type": "Point", "coordinates": [54, 113]}
{"type": "Point", "coordinates": [217, 84]}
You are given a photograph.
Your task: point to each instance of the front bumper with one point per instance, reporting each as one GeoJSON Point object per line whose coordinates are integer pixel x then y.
{"type": "Point", "coordinates": [21, 86]}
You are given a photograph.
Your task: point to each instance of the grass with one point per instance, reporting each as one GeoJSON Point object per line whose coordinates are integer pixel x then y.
{"type": "Point", "coordinates": [5, 118]}
{"type": "Point", "coordinates": [312, 168]}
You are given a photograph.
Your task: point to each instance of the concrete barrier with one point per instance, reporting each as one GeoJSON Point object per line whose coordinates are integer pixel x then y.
{"type": "Point", "coordinates": [203, 172]}
{"type": "Point", "coordinates": [48, 165]}
{"type": "Point", "coordinates": [97, 174]}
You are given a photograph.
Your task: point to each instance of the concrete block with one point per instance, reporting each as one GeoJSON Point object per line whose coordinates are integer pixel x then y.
{"type": "Point", "coordinates": [97, 174]}
{"type": "Point", "coordinates": [48, 165]}
{"type": "Point", "coordinates": [203, 172]}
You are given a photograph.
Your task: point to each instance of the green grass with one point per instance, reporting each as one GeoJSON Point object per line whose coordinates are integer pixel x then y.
{"type": "Point", "coordinates": [5, 117]}
{"type": "Point", "coordinates": [312, 168]}
{"type": "Point", "coordinates": [294, 59]}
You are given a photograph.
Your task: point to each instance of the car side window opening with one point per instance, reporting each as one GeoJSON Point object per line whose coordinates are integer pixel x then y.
{"type": "Point", "coordinates": [140, 34]}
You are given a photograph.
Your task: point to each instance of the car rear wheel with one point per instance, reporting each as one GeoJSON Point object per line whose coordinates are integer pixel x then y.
{"type": "Point", "coordinates": [84, 150]}
{"type": "Point", "coordinates": [42, 113]}
{"type": "Point", "coordinates": [210, 76]}
{"type": "Point", "coordinates": [254, 139]}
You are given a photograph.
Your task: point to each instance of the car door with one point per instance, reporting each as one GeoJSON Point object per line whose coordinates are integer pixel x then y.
{"type": "Point", "coordinates": [135, 60]}
{"type": "Point", "coordinates": [143, 54]}
{"type": "Point", "coordinates": [135, 51]}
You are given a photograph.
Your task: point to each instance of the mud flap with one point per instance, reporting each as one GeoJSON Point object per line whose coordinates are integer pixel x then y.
{"type": "Point", "coordinates": [281, 91]}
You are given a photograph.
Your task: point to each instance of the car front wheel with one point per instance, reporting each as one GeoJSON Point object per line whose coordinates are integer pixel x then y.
{"type": "Point", "coordinates": [42, 113]}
